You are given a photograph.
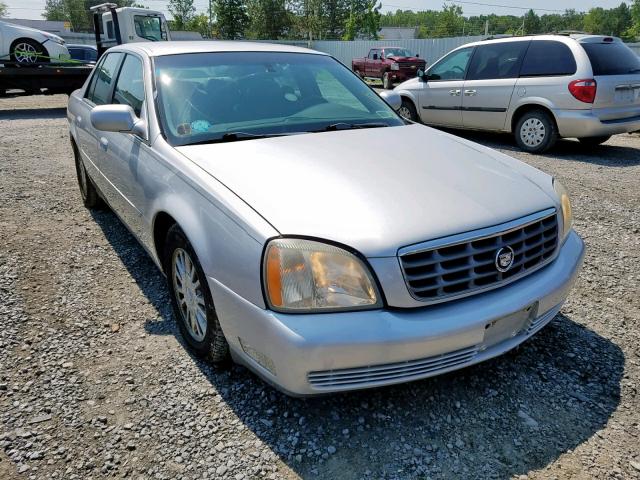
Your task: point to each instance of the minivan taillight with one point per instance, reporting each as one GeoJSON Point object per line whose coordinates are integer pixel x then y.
{"type": "Point", "coordinates": [584, 90]}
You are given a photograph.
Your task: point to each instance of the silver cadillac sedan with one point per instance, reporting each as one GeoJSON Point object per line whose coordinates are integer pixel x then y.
{"type": "Point", "coordinates": [305, 229]}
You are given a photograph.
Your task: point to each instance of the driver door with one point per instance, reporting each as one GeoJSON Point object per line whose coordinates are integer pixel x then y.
{"type": "Point", "coordinates": [441, 95]}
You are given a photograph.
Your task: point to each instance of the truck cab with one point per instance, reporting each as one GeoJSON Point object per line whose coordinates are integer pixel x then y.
{"type": "Point", "coordinates": [136, 25]}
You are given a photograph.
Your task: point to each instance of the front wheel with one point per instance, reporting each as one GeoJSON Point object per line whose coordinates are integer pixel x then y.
{"type": "Point", "coordinates": [408, 110]}
{"type": "Point", "coordinates": [387, 83]}
{"type": "Point", "coordinates": [594, 141]}
{"type": "Point", "coordinates": [535, 131]}
{"type": "Point", "coordinates": [27, 52]}
{"type": "Point", "coordinates": [191, 299]}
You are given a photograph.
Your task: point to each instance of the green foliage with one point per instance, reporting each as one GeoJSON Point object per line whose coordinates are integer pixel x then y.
{"type": "Point", "coordinates": [182, 12]}
{"type": "Point", "coordinates": [200, 23]}
{"type": "Point", "coordinates": [634, 30]}
{"type": "Point", "coordinates": [76, 12]}
{"type": "Point", "coordinates": [3, 9]}
{"type": "Point", "coordinates": [532, 23]}
{"type": "Point", "coordinates": [268, 19]}
{"type": "Point", "coordinates": [231, 18]}
{"type": "Point", "coordinates": [363, 20]}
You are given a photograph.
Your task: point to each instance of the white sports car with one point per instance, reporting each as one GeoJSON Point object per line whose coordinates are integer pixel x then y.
{"type": "Point", "coordinates": [28, 45]}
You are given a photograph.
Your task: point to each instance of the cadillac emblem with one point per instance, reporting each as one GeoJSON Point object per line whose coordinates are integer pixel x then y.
{"type": "Point", "coordinates": [504, 258]}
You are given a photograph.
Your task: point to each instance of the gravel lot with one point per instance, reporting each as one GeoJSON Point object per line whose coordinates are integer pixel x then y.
{"type": "Point", "coordinates": [96, 382]}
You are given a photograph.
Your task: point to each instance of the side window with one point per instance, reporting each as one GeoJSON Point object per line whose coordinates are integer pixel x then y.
{"type": "Point", "coordinates": [110, 29]}
{"type": "Point", "coordinates": [100, 90]}
{"type": "Point", "coordinates": [373, 53]}
{"type": "Point", "coordinates": [497, 60]}
{"type": "Point", "coordinates": [451, 67]}
{"type": "Point", "coordinates": [130, 87]}
{"type": "Point", "coordinates": [548, 58]}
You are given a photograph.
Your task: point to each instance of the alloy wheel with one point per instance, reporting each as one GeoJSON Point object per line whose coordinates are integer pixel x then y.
{"type": "Point", "coordinates": [25, 53]}
{"type": "Point", "coordinates": [189, 296]}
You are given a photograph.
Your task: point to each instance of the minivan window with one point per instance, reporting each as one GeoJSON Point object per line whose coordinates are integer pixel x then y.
{"type": "Point", "coordinates": [451, 67]}
{"type": "Point", "coordinates": [613, 58]}
{"type": "Point", "coordinates": [497, 60]}
{"type": "Point", "coordinates": [548, 58]}
{"type": "Point", "coordinates": [130, 87]}
{"type": "Point", "coordinates": [100, 89]}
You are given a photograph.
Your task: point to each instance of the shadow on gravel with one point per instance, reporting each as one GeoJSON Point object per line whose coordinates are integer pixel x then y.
{"type": "Point", "coordinates": [33, 113]}
{"type": "Point", "coordinates": [502, 418]}
{"type": "Point", "coordinates": [566, 149]}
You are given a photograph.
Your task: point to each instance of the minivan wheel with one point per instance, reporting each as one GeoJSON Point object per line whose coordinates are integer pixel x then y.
{"type": "Point", "coordinates": [88, 192]}
{"type": "Point", "coordinates": [191, 299]}
{"type": "Point", "coordinates": [387, 84]}
{"type": "Point", "coordinates": [536, 132]}
{"type": "Point", "coordinates": [408, 110]}
{"type": "Point", "coordinates": [594, 141]}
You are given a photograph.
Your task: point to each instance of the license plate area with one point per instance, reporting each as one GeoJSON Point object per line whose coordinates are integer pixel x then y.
{"type": "Point", "coordinates": [626, 95]}
{"type": "Point", "coordinates": [508, 326]}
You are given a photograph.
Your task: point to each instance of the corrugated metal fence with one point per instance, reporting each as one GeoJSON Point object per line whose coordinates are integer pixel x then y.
{"type": "Point", "coordinates": [429, 49]}
{"type": "Point", "coordinates": [635, 47]}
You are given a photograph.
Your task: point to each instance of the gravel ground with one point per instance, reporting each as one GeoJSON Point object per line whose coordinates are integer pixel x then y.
{"type": "Point", "coordinates": [96, 382]}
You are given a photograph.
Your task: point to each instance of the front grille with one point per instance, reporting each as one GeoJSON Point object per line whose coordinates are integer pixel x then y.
{"type": "Point", "coordinates": [454, 267]}
{"type": "Point", "coordinates": [408, 65]}
{"type": "Point", "coordinates": [372, 375]}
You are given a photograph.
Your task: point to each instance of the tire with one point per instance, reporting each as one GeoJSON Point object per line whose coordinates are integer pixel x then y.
{"type": "Point", "coordinates": [357, 72]}
{"type": "Point", "coordinates": [594, 141]}
{"type": "Point", "coordinates": [536, 131]}
{"type": "Point", "coordinates": [387, 84]}
{"type": "Point", "coordinates": [190, 295]}
{"type": "Point", "coordinates": [90, 197]}
{"type": "Point", "coordinates": [26, 51]}
{"type": "Point", "coordinates": [408, 110]}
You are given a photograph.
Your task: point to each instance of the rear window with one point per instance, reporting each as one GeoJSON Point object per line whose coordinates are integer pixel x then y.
{"type": "Point", "coordinates": [612, 58]}
{"type": "Point", "coordinates": [548, 58]}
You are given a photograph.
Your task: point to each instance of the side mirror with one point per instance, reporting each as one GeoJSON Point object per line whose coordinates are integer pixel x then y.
{"type": "Point", "coordinates": [392, 98]}
{"type": "Point", "coordinates": [417, 55]}
{"type": "Point", "coordinates": [421, 75]}
{"type": "Point", "coordinates": [117, 118]}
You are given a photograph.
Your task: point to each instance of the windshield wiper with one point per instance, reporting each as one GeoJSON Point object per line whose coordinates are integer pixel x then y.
{"type": "Point", "coordinates": [237, 136]}
{"type": "Point", "coordinates": [351, 126]}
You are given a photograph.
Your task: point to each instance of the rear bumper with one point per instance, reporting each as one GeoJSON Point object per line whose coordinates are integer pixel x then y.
{"type": "Point", "coordinates": [320, 353]}
{"type": "Point", "coordinates": [584, 123]}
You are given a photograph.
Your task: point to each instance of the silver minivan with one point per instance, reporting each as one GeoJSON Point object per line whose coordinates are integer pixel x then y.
{"type": "Point", "coordinates": [539, 88]}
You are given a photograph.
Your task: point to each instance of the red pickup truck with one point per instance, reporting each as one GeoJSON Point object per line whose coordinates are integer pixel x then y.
{"type": "Point", "coordinates": [389, 64]}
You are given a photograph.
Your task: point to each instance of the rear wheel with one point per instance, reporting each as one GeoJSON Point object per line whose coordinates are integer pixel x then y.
{"type": "Point", "coordinates": [27, 51]}
{"type": "Point", "coordinates": [594, 141]}
{"type": "Point", "coordinates": [191, 299]}
{"type": "Point", "coordinates": [90, 197]}
{"type": "Point", "coordinates": [387, 83]}
{"type": "Point", "coordinates": [535, 131]}
{"type": "Point", "coordinates": [408, 110]}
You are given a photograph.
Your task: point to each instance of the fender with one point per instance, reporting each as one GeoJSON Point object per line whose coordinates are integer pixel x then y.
{"type": "Point", "coordinates": [527, 101]}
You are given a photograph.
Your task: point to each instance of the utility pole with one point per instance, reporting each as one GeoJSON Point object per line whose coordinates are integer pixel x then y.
{"type": "Point", "coordinates": [486, 28]}
{"type": "Point", "coordinates": [210, 19]}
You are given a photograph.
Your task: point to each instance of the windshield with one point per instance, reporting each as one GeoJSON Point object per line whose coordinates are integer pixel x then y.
{"type": "Point", "coordinates": [612, 58]}
{"type": "Point", "coordinates": [149, 27]}
{"type": "Point", "coordinates": [203, 96]}
{"type": "Point", "coordinates": [397, 52]}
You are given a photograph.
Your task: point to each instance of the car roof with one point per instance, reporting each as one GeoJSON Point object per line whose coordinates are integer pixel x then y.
{"type": "Point", "coordinates": [156, 49]}
{"type": "Point", "coordinates": [578, 37]}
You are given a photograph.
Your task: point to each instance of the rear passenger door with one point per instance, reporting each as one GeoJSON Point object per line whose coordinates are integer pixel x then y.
{"type": "Point", "coordinates": [492, 76]}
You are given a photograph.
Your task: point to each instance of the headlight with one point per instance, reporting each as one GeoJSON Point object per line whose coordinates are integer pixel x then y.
{"type": "Point", "coordinates": [54, 38]}
{"type": "Point", "coordinates": [304, 276]}
{"type": "Point", "coordinates": [395, 66]}
{"type": "Point", "coordinates": [565, 203]}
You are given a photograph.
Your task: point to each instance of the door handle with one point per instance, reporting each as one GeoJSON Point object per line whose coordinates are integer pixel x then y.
{"type": "Point", "coordinates": [104, 143]}
{"type": "Point", "coordinates": [455, 92]}
{"type": "Point", "coordinates": [469, 93]}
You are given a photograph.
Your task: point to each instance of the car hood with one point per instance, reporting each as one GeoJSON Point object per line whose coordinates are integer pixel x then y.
{"type": "Point", "coordinates": [25, 30]}
{"type": "Point", "coordinates": [376, 190]}
{"type": "Point", "coordinates": [407, 59]}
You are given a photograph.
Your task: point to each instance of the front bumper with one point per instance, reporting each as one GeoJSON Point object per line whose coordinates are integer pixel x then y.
{"type": "Point", "coordinates": [584, 123]}
{"type": "Point", "coordinates": [319, 353]}
{"type": "Point", "coordinates": [403, 74]}
{"type": "Point", "coordinates": [56, 51]}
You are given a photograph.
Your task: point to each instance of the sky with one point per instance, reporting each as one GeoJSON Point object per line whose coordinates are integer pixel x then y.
{"type": "Point", "coordinates": [33, 8]}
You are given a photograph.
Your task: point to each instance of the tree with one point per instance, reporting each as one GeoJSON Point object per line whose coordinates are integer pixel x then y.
{"type": "Point", "coordinates": [363, 20]}
{"type": "Point", "coordinates": [336, 17]}
{"type": "Point", "coordinates": [634, 30]}
{"type": "Point", "coordinates": [3, 9]}
{"type": "Point", "coordinates": [200, 23]}
{"type": "Point", "coordinates": [182, 12]}
{"type": "Point", "coordinates": [450, 21]}
{"type": "Point", "coordinates": [231, 18]}
{"type": "Point", "coordinates": [55, 10]}
{"type": "Point", "coordinates": [268, 19]}
{"type": "Point", "coordinates": [531, 23]}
